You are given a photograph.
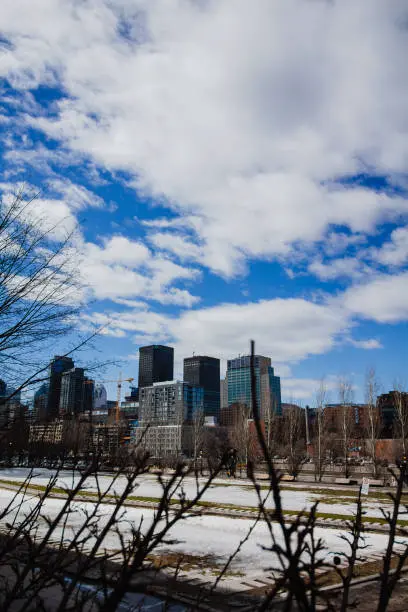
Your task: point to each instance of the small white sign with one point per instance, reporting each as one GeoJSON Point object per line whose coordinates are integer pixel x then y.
{"type": "Point", "coordinates": [365, 486]}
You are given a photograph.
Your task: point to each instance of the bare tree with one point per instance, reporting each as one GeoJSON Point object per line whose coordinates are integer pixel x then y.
{"type": "Point", "coordinates": [294, 437]}
{"type": "Point", "coordinates": [389, 578]}
{"type": "Point", "coordinates": [272, 422]}
{"type": "Point", "coordinates": [320, 431]}
{"type": "Point", "coordinates": [354, 538]}
{"type": "Point", "coordinates": [197, 434]}
{"type": "Point", "coordinates": [216, 445]}
{"type": "Point", "coordinates": [241, 434]}
{"type": "Point", "coordinates": [38, 288]}
{"type": "Point", "coordinates": [346, 418]}
{"type": "Point", "coordinates": [373, 422]}
{"type": "Point", "coordinates": [39, 297]}
{"type": "Point", "coordinates": [400, 400]}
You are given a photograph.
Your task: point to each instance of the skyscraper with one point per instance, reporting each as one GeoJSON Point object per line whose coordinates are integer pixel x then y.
{"type": "Point", "coordinates": [76, 393]}
{"type": "Point", "coordinates": [156, 364]}
{"type": "Point", "coordinates": [164, 410]}
{"type": "Point", "coordinates": [268, 391]}
{"type": "Point", "coordinates": [224, 392]}
{"type": "Point", "coordinates": [12, 411]}
{"type": "Point", "coordinates": [201, 371]}
{"type": "Point", "coordinates": [40, 404]}
{"type": "Point", "coordinates": [169, 403]}
{"type": "Point", "coordinates": [58, 366]}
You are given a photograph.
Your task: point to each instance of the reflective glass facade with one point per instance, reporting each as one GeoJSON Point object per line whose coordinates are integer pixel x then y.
{"type": "Point", "coordinates": [58, 366]}
{"type": "Point", "coordinates": [268, 391]}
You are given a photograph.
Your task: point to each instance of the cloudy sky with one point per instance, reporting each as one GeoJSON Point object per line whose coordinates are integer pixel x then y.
{"type": "Point", "coordinates": [237, 168]}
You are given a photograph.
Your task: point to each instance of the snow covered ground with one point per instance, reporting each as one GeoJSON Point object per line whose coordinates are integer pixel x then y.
{"type": "Point", "coordinates": [240, 493]}
{"type": "Point", "coordinates": [199, 536]}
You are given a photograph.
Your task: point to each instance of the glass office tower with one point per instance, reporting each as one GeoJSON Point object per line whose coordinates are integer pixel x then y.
{"type": "Point", "coordinates": [268, 390]}
{"type": "Point", "coordinates": [202, 371]}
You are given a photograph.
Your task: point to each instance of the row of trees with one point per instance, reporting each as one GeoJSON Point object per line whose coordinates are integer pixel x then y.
{"type": "Point", "coordinates": [351, 425]}
{"type": "Point", "coordinates": [321, 434]}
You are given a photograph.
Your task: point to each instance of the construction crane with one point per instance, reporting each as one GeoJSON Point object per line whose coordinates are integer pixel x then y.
{"type": "Point", "coordinates": [119, 382]}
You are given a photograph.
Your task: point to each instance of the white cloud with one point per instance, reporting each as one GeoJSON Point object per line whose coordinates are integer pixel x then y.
{"type": "Point", "coordinates": [180, 297]}
{"type": "Point", "coordinates": [55, 206]}
{"type": "Point", "coordinates": [131, 303]}
{"type": "Point", "coordinates": [48, 162]}
{"type": "Point", "coordinates": [394, 252]}
{"type": "Point", "coordinates": [178, 245]}
{"type": "Point", "coordinates": [241, 114]}
{"type": "Point", "coordinates": [369, 344]}
{"type": "Point", "coordinates": [118, 267]}
{"type": "Point", "coordinates": [164, 222]}
{"type": "Point", "coordinates": [77, 197]}
{"type": "Point", "coordinates": [366, 261]}
{"type": "Point", "coordinates": [121, 269]}
{"type": "Point", "coordinates": [152, 326]}
{"type": "Point", "coordinates": [337, 242]}
{"type": "Point", "coordinates": [286, 330]}
{"type": "Point", "coordinates": [305, 389]}
{"type": "Point", "coordinates": [118, 250]}
{"type": "Point", "coordinates": [384, 299]}
{"type": "Point", "coordinates": [52, 215]}
{"type": "Point", "coordinates": [348, 267]}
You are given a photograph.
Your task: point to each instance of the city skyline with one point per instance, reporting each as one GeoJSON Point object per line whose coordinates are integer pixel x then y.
{"type": "Point", "coordinates": [207, 371]}
{"type": "Point", "coordinates": [28, 395]}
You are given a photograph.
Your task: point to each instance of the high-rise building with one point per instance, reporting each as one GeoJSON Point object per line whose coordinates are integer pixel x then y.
{"type": "Point", "coordinates": [156, 363]}
{"type": "Point", "coordinates": [40, 404]}
{"type": "Point", "coordinates": [268, 390]}
{"type": "Point", "coordinates": [169, 403]}
{"type": "Point", "coordinates": [133, 396]}
{"type": "Point", "coordinates": [224, 392]}
{"type": "Point", "coordinates": [88, 396]}
{"type": "Point", "coordinates": [58, 366]}
{"type": "Point", "coordinates": [76, 393]}
{"type": "Point", "coordinates": [100, 396]}
{"type": "Point", "coordinates": [12, 411]}
{"type": "Point", "coordinates": [164, 410]}
{"type": "Point", "coordinates": [201, 371]}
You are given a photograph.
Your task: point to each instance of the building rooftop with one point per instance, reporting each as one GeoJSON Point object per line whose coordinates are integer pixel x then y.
{"type": "Point", "coordinates": [166, 382]}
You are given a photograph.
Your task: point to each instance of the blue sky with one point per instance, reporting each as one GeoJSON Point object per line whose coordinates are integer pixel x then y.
{"type": "Point", "coordinates": [236, 170]}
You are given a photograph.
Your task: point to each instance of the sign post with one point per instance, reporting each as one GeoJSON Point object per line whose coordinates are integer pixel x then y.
{"type": "Point", "coordinates": [365, 486]}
